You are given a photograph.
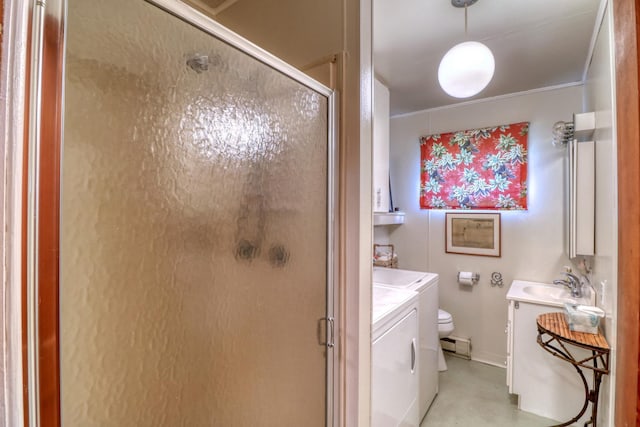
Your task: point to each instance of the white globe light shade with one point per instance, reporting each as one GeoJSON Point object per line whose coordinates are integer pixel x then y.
{"type": "Point", "coordinates": [466, 69]}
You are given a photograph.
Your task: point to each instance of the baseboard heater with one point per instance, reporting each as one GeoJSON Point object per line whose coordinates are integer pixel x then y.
{"type": "Point", "coordinates": [457, 346]}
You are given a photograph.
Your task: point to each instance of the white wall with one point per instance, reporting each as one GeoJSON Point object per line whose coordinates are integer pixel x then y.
{"type": "Point", "coordinates": [382, 233]}
{"type": "Point", "coordinates": [380, 147]}
{"type": "Point", "coordinates": [599, 97]}
{"type": "Point", "coordinates": [532, 241]}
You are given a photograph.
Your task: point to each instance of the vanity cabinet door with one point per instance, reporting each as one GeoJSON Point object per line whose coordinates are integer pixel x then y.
{"type": "Point", "coordinates": [546, 385]}
{"type": "Point", "coordinates": [509, 332]}
{"type": "Point", "coordinates": [394, 379]}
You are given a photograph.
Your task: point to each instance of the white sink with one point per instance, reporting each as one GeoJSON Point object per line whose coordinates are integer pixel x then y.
{"type": "Point", "coordinates": [543, 293]}
{"type": "Point", "coordinates": [547, 292]}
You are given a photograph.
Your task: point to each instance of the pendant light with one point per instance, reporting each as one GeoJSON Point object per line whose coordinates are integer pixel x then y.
{"type": "Point", "coordinates": [467, 68]}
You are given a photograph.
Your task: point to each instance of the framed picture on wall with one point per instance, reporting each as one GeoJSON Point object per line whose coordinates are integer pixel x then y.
{"type": "Point", "coordinates": [473, 234]}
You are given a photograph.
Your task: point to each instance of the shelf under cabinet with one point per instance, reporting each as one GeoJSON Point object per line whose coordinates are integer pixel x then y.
{"type": "Point", "coordinates": [388, 218]}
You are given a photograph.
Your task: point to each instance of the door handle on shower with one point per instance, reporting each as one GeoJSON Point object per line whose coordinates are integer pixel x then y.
{"type": "Point", "coordinates": [329, 335]}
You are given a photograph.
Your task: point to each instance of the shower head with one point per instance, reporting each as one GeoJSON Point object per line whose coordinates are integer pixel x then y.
{"type": "Point", "coordinates": [198, 63]}
{"type": "Point", "coordinates": [212, 7]}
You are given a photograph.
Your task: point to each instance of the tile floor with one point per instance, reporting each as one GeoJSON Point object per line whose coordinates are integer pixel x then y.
{"type": "Point", "coordinates": [475, 394]}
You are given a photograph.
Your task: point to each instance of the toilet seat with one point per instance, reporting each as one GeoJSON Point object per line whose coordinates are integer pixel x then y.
{"type": "Point", "coordinates": [444, 317]}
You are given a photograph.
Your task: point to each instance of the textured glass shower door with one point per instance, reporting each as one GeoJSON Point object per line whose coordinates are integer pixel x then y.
{"type": "Point", "coordinates": [195, 234]}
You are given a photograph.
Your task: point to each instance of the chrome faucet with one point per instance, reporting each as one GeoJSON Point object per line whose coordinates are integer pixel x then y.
{"type": "Point", "coordinates": [572, 282]}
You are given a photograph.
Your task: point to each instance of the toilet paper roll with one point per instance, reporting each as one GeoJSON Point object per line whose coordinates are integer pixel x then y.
{"type": "Point", "coordinates": [465, 278]}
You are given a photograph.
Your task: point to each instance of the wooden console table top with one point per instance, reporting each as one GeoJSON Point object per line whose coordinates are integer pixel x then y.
{"type": "Point", "coordinates": [556, 324]}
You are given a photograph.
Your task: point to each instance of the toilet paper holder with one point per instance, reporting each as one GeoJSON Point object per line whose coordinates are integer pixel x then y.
{"type": "Point", "coordinates": [464, 277]}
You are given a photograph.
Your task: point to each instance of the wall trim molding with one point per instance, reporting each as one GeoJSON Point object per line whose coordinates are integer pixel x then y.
{"type": "Point", "coordinates": [597, 26]}
{"type": "Point", "coordinates": [492, 98]}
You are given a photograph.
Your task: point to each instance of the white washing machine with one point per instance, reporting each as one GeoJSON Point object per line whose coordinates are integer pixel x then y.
{"type": "Point", "coordinates": [394, 358]}
{"type": "Point", "coordinates": [426, 284]}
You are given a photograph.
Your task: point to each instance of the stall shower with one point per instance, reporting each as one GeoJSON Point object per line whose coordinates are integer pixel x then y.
{"type": "Point", "coordinates": [196, 232]}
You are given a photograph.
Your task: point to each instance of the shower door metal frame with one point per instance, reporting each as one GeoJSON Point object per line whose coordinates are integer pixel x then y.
{"type": "Point", "coordinates": [41, 211]}
{"type": "Point", "coordinates": [12, 108]}
{"type": "Point", "coordinates": [43, 114]}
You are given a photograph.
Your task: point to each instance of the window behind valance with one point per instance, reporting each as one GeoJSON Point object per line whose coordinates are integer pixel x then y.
{"type": "Point", "coordinates": [475, 169]}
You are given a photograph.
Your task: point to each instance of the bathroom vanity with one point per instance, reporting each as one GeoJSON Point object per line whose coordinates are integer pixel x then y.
{"type": "Point", "coordinates": [545, 385]}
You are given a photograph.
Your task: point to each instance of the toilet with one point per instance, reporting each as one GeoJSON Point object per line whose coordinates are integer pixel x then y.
{"type": "Point", "coordinates": [445, 328]}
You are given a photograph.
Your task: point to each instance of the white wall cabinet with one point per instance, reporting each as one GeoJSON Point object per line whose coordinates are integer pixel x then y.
{"type": "Point", "coordinates": [581, 198]}
{"type": "Point", "coordinates": [381, 201]}
{"type": "Point", "coordinates": [546, 385]}
{"type": "Point", "coordinates": [394, 374]}
{"type": "Point", "coordinates": [582, 186]}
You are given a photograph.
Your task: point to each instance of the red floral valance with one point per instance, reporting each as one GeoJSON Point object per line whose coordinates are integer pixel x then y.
{"type": "Point", "coordinates": [475, 169]}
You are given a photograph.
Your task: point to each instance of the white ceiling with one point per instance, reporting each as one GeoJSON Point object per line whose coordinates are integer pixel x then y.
{"type": "Point", "coordinates": [536, 43]}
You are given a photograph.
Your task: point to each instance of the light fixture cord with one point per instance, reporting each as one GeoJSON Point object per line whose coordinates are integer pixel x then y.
{"type": "Point", "coordinates": [465, 19]}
